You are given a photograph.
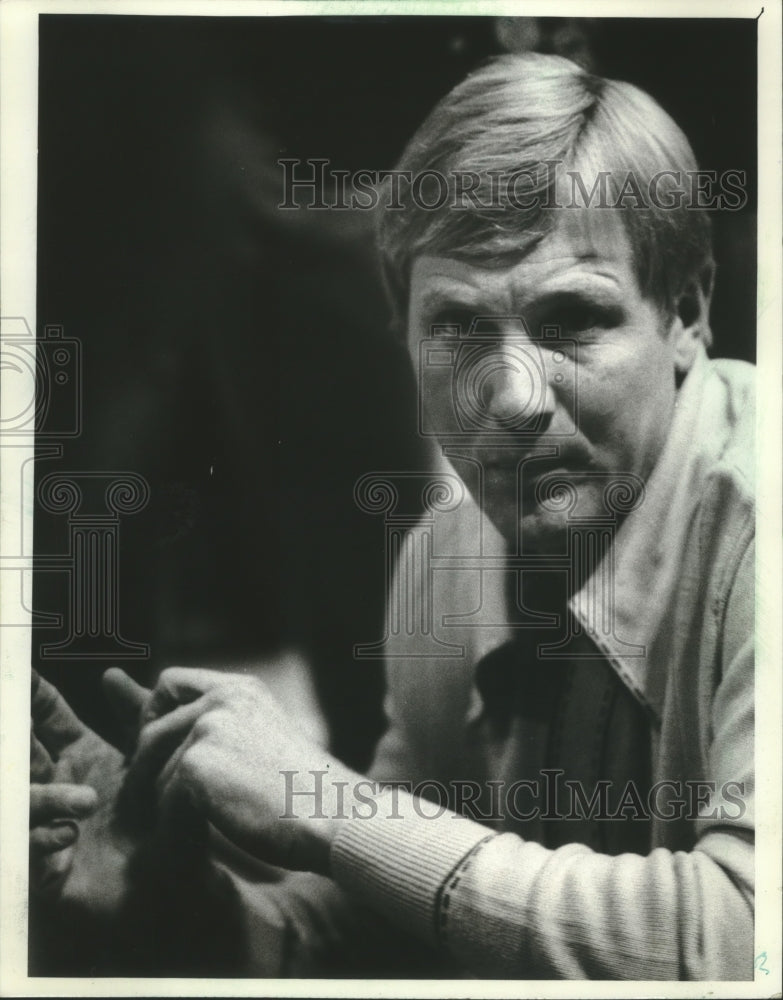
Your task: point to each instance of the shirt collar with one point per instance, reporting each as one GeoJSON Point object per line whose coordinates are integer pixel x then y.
{"type": "Point", "coordinates": [646, 553]}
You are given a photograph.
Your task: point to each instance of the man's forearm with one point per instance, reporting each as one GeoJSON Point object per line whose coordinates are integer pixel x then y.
{"type": "Point", "coordinates": [506, 907]}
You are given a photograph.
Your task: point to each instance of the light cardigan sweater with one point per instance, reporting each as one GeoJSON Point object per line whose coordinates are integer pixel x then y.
{"type": "Point", "coordinates": [684, 607]}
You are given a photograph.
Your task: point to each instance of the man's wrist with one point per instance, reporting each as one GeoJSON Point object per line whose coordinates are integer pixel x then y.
{"type": "Point", "coordinates": [321, 802]}
{"type": "Point", "coordinates": [398, 856]}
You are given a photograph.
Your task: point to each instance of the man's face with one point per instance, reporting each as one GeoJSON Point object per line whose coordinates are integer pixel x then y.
{"type": "Point", "coordinates": [600, 394]}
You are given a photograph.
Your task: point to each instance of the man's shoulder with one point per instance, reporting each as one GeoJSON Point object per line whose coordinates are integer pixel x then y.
{"type": "Point", "coordinates": [726, 508]}
{"type": "Point", "coordinates": [730, 412]}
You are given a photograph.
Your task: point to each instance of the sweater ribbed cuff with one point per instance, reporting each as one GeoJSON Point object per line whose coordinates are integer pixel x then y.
{"type": "Point", "coordinates": [399, 865]}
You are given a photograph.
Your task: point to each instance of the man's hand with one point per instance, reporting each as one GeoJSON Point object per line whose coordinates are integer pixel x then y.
{"type": "Point", "coordinates": [216, 745]}
{"type": "Point", "coordinates": [55, 808]}
{"type": "Point", "coordinates": [111, 891]}
{"type": "Point", "coordinates": [76, 850]}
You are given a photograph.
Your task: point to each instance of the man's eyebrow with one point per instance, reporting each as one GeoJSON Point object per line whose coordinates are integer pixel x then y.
{"type": "Point", "coordinates": [444, 299]}
{"type": "Point", "coordinates": [593, 295]}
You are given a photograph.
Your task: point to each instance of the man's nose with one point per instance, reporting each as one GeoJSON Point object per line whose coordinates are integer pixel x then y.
{"type": "Point", "coordinates": [517, 394]}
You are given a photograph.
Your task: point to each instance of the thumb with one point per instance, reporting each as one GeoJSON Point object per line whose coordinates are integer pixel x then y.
{"type": "Point", "coordinates": [128, 701]}
{"type": "Point", "coordinates": [55, 724]}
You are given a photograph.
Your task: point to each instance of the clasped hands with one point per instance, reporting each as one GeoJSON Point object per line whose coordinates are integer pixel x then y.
{"type": "Point", "coordinates": [210, 750]}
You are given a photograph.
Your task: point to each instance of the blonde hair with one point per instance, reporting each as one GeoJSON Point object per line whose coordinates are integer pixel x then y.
{"type": "Point", "coordinates": [522, 114]}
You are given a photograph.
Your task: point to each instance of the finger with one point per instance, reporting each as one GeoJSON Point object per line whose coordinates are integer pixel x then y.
{"type": "Point", "coordinates": [128, 701]}
{"type": "Point", "coordinates": [54, 801]}
{"type": "Point", "coordinates": [183, 820]}
{"type": "Point", "coordinates": [159, 739]}
{"type": "Point", "coordinates": [49, 871]}
{"type": "Point", "coordinates": [41, 764]}
{"type": "Point", "coordinates": [170, 783]}
{"type": "Point", "coordinates": [179, 685]}
{"type": "Point", "coordinates": [127, 697]}
{"type": "Point", "coordinates": [54, 722]}
{"type": "Point", "coordinates": [53, 837]}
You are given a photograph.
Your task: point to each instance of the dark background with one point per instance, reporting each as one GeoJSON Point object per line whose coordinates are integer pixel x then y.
{"type": "Point", "coordinates": [238, 359]}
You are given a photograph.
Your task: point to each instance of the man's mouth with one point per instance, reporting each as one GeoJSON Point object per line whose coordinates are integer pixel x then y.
{"type": "Point", "coordinates": [532, 466]}
{"type": "Point", "coordinates": [529, 473]}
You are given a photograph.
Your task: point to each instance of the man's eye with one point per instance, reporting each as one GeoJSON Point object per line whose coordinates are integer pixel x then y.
{"type": "Point", "coordinates": [579, 319]}
{"type": "Point", "coordinates": [461, 319]}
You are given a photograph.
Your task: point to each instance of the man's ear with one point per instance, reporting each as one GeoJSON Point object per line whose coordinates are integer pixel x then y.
{"type": "Point", "coordinates": [691, 322]}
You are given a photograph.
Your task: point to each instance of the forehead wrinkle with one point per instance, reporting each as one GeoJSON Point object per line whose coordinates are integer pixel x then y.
{"type": "Point", "coordinates": [584, 245]}
{"type": "Point", "coordinates": [441, 288]}
{"type": "Point", "coordinates": [511, 290]}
